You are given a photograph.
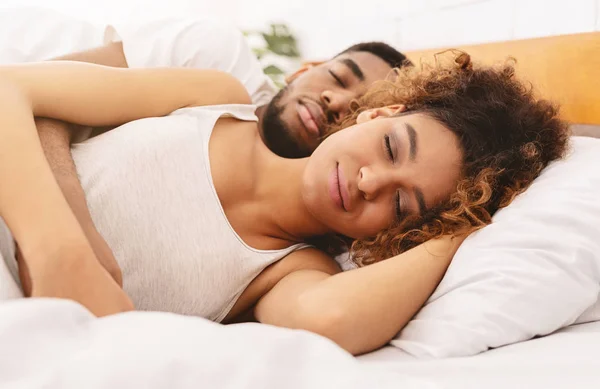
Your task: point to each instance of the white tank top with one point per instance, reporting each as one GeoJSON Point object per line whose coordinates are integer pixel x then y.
{"type": "Point", "coordinates": [150, 192]}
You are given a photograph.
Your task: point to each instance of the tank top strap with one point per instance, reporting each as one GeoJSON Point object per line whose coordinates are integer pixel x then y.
{"type": "Point", "coordinates": [288, 250]}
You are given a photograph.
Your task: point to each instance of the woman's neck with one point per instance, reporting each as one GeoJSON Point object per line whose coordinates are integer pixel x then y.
{"type": "Point", "coordinates": [278, 198]}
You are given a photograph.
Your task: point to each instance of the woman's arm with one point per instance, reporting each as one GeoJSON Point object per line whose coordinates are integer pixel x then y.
{"type": "Point", "coordinates": [95, 95]}
{"type": "Point", "coordinates": [361, 309]}
{"type": "Point", "coordinates": [30, 201]}
{"type": "Point", "coordinates": [58, 256]}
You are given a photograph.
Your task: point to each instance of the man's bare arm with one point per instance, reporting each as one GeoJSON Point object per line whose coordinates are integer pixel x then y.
{"type": "Point", "coordinates": [55, 137]}
{"type": "Point", "coordinates": [110, 54]}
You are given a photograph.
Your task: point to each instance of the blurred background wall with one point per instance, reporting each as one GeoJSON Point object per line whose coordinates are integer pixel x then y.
{"type": "Point", "coordinates": [324, 27]}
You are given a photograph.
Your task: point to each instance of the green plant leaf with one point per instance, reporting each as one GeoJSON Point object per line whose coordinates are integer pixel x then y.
{"type": "Point", "coordinates": [280, 41]}
{"type": "Point", "coordinates": [272, 70]}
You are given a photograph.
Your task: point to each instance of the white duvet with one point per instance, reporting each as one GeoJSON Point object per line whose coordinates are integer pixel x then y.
{"type": "Point", "coordinates": [51, 343]}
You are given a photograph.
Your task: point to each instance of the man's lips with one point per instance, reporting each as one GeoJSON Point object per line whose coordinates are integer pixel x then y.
{"type": "Point", "coordinates": [312, 116]}
{"type": "Point", "coordinates": [316, 111]}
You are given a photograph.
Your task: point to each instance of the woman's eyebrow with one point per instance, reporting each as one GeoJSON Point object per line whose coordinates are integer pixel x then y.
{"type": "Point", "coordinates": [412, 156]}
{"type": "Point", "coordinates": [420, 200]}
{"type": "Point", "coordinates": [412, 138]}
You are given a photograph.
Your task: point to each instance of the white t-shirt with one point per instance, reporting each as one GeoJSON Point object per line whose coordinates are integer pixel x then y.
{"type": "Point", "coordinates": [36, 34]}
{"type": "Point", "coordinates": [193, 43]}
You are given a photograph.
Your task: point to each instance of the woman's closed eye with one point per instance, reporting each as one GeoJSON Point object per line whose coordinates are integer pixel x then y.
{"type": "Point", "coordinates": [398, 207]}
{"type": "Point", "coordinates": [388, 148]}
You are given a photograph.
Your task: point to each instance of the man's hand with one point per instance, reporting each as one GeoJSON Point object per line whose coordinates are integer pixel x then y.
{"type": "Point", "coordinates": [56, 137]}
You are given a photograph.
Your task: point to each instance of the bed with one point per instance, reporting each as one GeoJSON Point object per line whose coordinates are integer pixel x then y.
{"type": "Point", "coordinates": [58, 344]}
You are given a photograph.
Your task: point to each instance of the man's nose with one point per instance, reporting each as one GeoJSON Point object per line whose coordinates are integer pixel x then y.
{"type": "Point", "coordinates": [336, 103]}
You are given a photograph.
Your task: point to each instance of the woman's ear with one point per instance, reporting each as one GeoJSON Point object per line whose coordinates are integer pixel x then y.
{"type": "Point", "coordinates": [382, 112]}
{"type": "Point", "coordinates": [305, 66]}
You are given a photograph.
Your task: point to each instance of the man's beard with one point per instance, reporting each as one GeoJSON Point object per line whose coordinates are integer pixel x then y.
{"type": "Point", "coordinates": [276, 134]}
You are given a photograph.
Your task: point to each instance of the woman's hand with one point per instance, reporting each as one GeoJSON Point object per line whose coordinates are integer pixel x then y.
{"type": "Point", "coordinates": [76, 275]}
{"type": "Point", "coordinates": [104, 256]}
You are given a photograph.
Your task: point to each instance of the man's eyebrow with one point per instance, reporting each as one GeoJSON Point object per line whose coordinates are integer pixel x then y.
{"type": "Point", "coordinates": [353, 67]}
{"type": "Point", "coordinates": [420, 200]}
{"type": "Point", "coordinates": [412, 138]}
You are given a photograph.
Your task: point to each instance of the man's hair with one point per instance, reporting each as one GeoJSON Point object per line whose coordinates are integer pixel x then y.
{"type": "Point", "coordinates": [391, 56]}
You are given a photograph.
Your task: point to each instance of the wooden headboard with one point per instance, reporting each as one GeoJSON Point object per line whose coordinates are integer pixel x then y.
{"type": "Point", "coordinates": [562, 68]}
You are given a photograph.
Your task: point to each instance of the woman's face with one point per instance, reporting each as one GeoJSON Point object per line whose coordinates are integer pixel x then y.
{"type": "Point", "coordinates": [384, 168]}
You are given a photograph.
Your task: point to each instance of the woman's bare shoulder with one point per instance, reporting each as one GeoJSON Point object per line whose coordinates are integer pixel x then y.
{"type": "Point", "coordinates": [309, 258]}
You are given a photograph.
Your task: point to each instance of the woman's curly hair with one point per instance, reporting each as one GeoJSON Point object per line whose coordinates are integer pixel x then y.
{"type": "Point", "coordinates": [507, 135]}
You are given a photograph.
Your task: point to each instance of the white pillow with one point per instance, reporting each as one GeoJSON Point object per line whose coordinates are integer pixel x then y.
{"type": "Point", "coordinates": [535, 269]}
{"type": "Point", "coordinates": [30, 34]}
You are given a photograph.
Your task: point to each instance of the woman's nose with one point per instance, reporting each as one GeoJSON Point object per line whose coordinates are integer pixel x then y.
{"type": "Point", "coordinates": [372, 181]}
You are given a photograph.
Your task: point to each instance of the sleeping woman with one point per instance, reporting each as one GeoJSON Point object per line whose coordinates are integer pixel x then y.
{"type": "Point", "coordinates": [203, 219]}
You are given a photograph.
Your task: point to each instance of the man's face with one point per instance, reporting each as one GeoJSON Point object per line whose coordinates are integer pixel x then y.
{"type": "Point", "coordinates": [294, 121]}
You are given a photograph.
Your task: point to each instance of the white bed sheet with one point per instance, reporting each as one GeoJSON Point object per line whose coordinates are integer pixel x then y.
{"type": "Point", "coordinates": [569, 358]}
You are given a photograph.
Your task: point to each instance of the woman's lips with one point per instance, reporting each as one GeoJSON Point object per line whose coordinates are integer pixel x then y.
{"type": "Point", "coordinates": [337, 188]}
{"type": "Point", "coordinates": [344, 193]}
{"type": "Point", "coordinates": [334, 188]}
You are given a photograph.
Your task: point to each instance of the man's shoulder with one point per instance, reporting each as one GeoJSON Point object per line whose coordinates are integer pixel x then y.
{"type": "Point", "coordinates": [202, 31]}
{"type": "Point", "coordinates": [204, 42]}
